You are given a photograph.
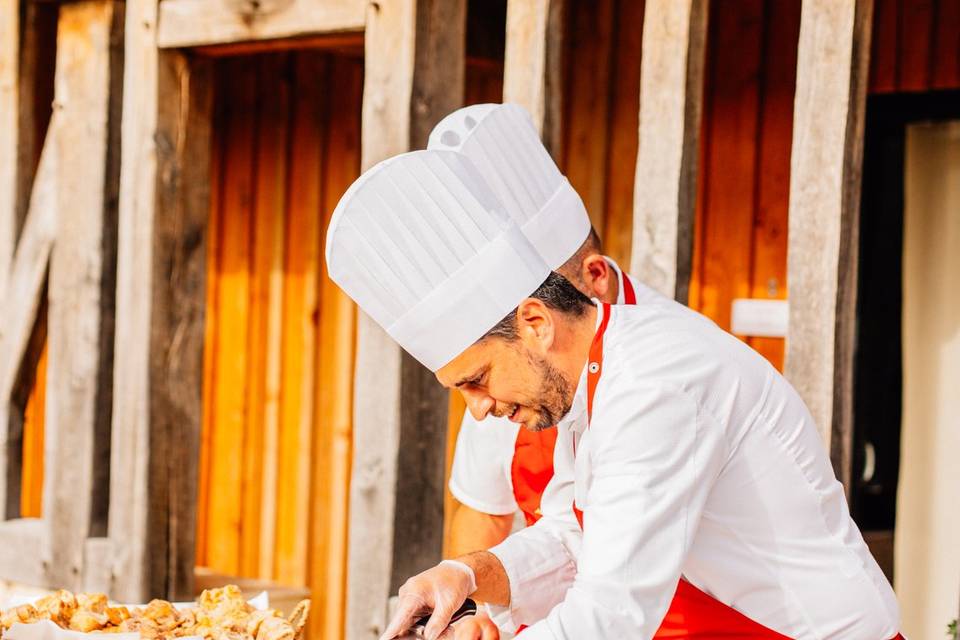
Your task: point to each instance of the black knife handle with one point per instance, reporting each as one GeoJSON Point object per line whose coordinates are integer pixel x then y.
{"type": "Point", "coordinates": [468, 608]}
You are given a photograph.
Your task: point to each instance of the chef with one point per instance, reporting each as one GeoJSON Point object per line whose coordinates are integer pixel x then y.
{"type": "Point", "coordinates": [696, 458]}
{"type": "Point", "coordinates": [499, 468]}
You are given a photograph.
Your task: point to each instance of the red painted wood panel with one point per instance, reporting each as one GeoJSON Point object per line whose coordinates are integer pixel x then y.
{"type": "Point", "coordinates": [915, 46]}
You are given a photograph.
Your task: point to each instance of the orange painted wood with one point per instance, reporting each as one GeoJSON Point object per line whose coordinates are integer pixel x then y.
{"type": "Point", "coordinates": [778, 81]}
{"type": "Point", "coordinates": [333, 430]}
{"type": "Point", "coordinates": [916, 25]}
{"type": "Point", "coordinates": [31, 471]}
{"type": "Point", "coordinates": [730, 181]}
{"type": "Point", "coordinates": [589, 52]}
{"type": "Point", "coordinates": [884, 47]}
{"type": "Point", "coordinates": [231, 358]}
{"type": "Point", "coordinates": [946, 46]}
{"type": "Point", "coordinates": [623, 134]}
{"type": "Point", "coordinates": [484, 81]}
{"type": "Point", "coordinates": [301, 316]}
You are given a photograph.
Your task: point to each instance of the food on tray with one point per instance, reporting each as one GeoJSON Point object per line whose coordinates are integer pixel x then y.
{"type": "Point", "coordinates": [219, 614]}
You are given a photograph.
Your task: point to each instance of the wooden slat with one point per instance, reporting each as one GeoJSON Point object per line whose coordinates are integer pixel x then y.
{"type": "Point", "coordinates": [177, 320]}
{"type": "Point", "coordinates": [9, 126]}
{"type": "Point", "coordinates": [769, 265]}
{"type": "Point", "coordinates": [301, 308]}
{"type": "Point", "coordinates": [588, 103]}
{"type": "Point", "coordinates": [946, 46]}
{"type": "Point", "coordinates": [826, 161]}
{"type": "Point", "coordinates": [623, 131]}
{"type": "Point", "coordinates": [191, 23]}
{"type": "Point", "coordinates": [885, 51]}
{"type": "Point", "coordinates": [21, 551]}
{"type": "Point", "coordinates": [31, 472]}
{"type": "Point", "coordinates": [671, 84]}
{"type": "Point", "coordinates": [916, 24]}
{"type": "Point", "coordinates": [77, 266]}
{"type": "Point", "coordinates": [230, 392]}
{"type": "Point", "coordinates": [532, 75]}
{"type": "Point", "coordinates": [267, 333]}
{"type": "Point", "coordinates": [393, 34]}
{"type": "Point", "coordinates": [736, 34]}
{"type": "Point", "coordinates": [333, 432]}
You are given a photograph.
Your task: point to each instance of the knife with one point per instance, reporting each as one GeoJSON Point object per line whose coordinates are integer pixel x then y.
{"type": "Point", "coordinates": [468, 608]}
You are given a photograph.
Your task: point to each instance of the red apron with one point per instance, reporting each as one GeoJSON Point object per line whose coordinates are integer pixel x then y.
{"type": "Point", "coordinates": [692, 613]}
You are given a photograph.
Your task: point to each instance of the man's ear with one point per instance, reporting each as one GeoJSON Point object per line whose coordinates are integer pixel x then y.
{"type": "Point", "coordinates": [535, 325]}
{"type": "Point", "coordinates": [596, 272]}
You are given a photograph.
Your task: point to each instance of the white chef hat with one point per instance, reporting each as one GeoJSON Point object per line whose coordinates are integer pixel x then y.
{"type": "Point", "coordinates": [503, 143]}
{"type": "Point", "coordinates": [424, 246]}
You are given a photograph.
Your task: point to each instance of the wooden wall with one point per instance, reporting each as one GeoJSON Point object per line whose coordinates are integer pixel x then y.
{"type": "Point", "coordinates": [276, 443]}
{"type": "Point", "coordinates": [740, 241]}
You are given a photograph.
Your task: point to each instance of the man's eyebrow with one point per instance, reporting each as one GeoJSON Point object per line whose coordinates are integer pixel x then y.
{"type": "Point", "coordinates": [471, 378]}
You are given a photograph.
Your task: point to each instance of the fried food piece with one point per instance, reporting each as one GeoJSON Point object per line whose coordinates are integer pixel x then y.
{"type": "Point", "coordinates": [58, 607]}
{"type": "Point", "coordinates": [25, 613]}
{"type": "Point", "coordinates": [95, 602]}
{"type": "Point", "coordinates": [298, 617]}
{"type": "Point", "coordinates": [86, 621]}
{"type": "Point", "coordinates": [163, 614]}
{"type": "Point", "coordinates": [275, 628]}
{"type": "Point", "coordinates": [116, 615]}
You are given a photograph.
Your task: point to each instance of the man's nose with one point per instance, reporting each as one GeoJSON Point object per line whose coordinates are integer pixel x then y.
{"type": "Point", "coordinates": [479, 404]}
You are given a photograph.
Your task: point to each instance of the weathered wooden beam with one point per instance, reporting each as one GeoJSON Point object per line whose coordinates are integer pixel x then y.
{"type": "Point", "coordinates": [78, 285]}
{"type": "Point", "coordinates": [9, 110]}
{"type": "Point", "coordinates": [22, 556]}
{"type": "Point", "coordinates": [532, 69]}
{"type": "Point", "coordinates": [193, 23]}
{"type": "Point", "coordinates": [671, 90]}
{"type": "Point", "coordinates": [413, 77]}
{"type": "Point", "coordinates": [825, 170]}
{"type": "Point", "coordinates": [164, 200]}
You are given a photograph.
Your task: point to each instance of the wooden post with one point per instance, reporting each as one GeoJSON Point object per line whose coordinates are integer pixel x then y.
{"type": "Point", "coordinates": [80, 285]}
{"type": "Point", "coordinates": [825, 171]}
{"type": "Point", "coordinates": [9, 125]}
{"type": "Point", "coordinates": [164, 195]}
{"type": "Point", "coordinates": [671, 89]}
{"type": "Point", "coordinates": [413, 77]}
{"type": "Point", "coordinates": [532, 70]}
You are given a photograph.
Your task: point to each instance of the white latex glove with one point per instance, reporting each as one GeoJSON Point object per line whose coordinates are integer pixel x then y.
{"type": "Point", "coordinates": [478, 627]}
{"type": "Point", "coordinates": [440, 590]}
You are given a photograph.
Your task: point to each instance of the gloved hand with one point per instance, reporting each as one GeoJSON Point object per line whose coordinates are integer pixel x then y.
{"type": "Point", "coordinates": [440, 590]}
{"type": "Point", "coordinates": [478, 627]}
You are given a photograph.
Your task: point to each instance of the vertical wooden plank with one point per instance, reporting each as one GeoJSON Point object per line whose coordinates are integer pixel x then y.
{"type": "Point", "coordinates": [623, 135]}
{"type": "Point", "coordinates": [9, 121]}
{"type": "Point", "coordinates": [825, 170]}
{"type": "Point", "coordinates": [264, 336]}
{"type": "Point", "coordinates": [946, 46]}
{"type": "Point", "coordinates": [77, 267]}
{"type": "Point", "coordinates": [230, 393]}
{"type": "Point", "coordinates": [533, 65]}
{"type": "Point", "coordinates": [301, 309]}
{"type": "Point", "coordinates": [916, 26]}
{"type": "Point", "coordinates": [31, 483]}
{"type": "Point", "coordinates": [769, 269]}
{"type": "Point", "coordinates": [671, 85]}
{"type": "Point", "coordinates": [333, 432]}
{"type": "Point", "coordinates": [271, 207]}
{"type": "Point", "coordinates": [736, 33]}
{"type": "Point", "coordinates": [397, 38]}
{"type": "Point", "coordinates": [587, 106]}
{"type": "Point", "coordinates": [177, 320]}
{"type": "Point", "coordinates": [885, 48]}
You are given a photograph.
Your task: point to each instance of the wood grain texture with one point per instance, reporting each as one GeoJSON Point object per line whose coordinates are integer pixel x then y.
{"type": "Point", "coordinates": [826, 161]}
{"type": "Point", "coordinates": [191, 23]}
{"type": "Point", "coordinates": [393, 37]}
{"type": "Point", "coordinates": [9, 129]}
{"type": "Point", "coordinates": [533, 65]}
{"type": "Point", "coordinates": [671, 82]}
{"type": "Point", "coordinates": [77, 268]}
{"type": "Point", "coordinates": [32, 456]}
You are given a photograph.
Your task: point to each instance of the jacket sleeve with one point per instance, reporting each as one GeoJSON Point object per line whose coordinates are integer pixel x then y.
{"type": "Point", "coordinates": [652, 458]}
{"type": "Point", "coordinates": [480, 475]}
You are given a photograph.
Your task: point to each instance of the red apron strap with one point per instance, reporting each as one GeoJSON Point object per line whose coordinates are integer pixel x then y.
{"type": "Point", "coordinates": [532, 469]}
{"type": "Point", "coordinates": [629, 295]}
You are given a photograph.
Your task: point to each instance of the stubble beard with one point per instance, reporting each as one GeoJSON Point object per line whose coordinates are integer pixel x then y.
{"type": "Point", "coordinates": [555, 396]}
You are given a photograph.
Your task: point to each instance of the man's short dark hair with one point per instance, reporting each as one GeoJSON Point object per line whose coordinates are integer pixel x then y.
{"type": "Point", "coordinates": [557, 293]}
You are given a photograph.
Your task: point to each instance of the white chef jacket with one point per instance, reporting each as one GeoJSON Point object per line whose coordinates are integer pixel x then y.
{"type": "Point", "coordinates": [700, 460]}
{"type": "Point", "coordinates": [481, 475]}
